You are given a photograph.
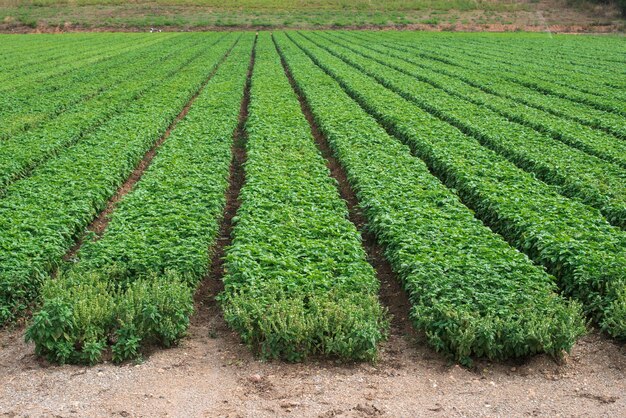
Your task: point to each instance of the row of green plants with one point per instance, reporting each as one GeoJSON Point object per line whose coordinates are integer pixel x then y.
{"type": "Point", "coordinates": [297, 280]}
{"type": "Point", "coordinates": [571, 240]}
{"type": "Point", "coordinates": [549, 59]}
{"type": "Point", "coordinates": [22, 152]}
{"type": "Point", "coordinates": [471, 293]}
{"type": "Point", "coordinates": [28, 106]}
{"type": "Point", "coordinates": [589, 51]}
{"type": "Point", "coordinates": [134, 286]}
{"type": "Point", "coordinates": [42, 77]}
{"type": "Point", "coordinates": [578, 175]}
{"type": "Point", "coordinates": [538, 79]}
{"type": "Point", "coordinates": [564, 70]}
{"type": "Point", "coordinates": [41, 215]}
{"type": "Point", "coordinates": [594, 142]}
{"type": "Point", "coordinates": [446, 58]}
{"type": "Point", "coordinates": [29, 52]}
{"type": "Point", "coordinates": [558, 66]}
{"type": "Point", "coordinates": [32, 62]}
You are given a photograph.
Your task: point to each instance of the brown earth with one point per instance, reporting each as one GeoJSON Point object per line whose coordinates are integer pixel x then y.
{"type": "Point", "coordinates": [573, 28]}
{"type": "Point", "coordinates": [212, 374]}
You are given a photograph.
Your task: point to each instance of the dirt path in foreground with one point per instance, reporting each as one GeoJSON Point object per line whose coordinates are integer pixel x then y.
{"type": "Point", "coordinates": [211, 374]}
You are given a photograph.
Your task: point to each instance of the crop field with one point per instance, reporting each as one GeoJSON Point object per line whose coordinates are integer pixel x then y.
{"type": "Point", "coordinates": [288, 177]}
{"type": "Point", "coordinates": [594, 16]}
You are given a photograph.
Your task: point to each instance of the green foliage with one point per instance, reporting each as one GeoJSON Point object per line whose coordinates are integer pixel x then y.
{"type": "Point", "coordinates": [29, 100]}
{"type": "Point", "coordinates": [471, 292]}
{"type": "Point", "coordinates": [128, 77]}
{"type": "Point", "coordinates": [577, 174]}
{"type": "Point", "coordinates": [41, 215]}
{"type": "Point", "coordinates": [573, 241]}
{"type": "Point", "coordinates": [480, 64]}
{"type": "Point", "coordinates": [282, 324]}
{"type": "Point", "coordinates": [82, 312]}
{"type": "Point", "coordinates": [448, 140]}
{"type": "Point", "coordinates": [474, 86]}
{"type": "Point", "coordinates": [297, 282]}
{"type": "Point", "coordinates": [73, 322]}
{"type": "Point", "coordinates": [156, 246]}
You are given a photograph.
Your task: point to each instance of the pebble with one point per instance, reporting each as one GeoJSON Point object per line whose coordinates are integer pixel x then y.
{"type": "Point", "coordinates": [255, 378]}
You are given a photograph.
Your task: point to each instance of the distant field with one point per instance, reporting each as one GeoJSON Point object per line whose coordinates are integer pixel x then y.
{"type": "Point", "coordinates": [554, 15]}
{"type": "Point", "coordinates": [299, 5]}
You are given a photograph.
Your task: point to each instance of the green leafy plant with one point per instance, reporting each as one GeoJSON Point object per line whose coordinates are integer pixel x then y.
{"type": "Point", "coordinates": [577, 174]}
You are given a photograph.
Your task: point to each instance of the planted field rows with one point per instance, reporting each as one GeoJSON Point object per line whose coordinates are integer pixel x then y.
{"type": "Point", "coordinates": [137, 168]}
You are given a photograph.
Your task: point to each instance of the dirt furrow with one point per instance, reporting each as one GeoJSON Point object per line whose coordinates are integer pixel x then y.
{"type": "Point", "coordinates": [206, 310]}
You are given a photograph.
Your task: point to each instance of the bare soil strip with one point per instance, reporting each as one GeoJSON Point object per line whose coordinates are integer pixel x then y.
{"type": "Point", "coordinates": [100, 222]}
{"type": "Point", "coordinates": [391, 293]}
{"type": "Point", "coordinates": [575, 27]}
{"type": "Point", "coordinates": [206, 309]}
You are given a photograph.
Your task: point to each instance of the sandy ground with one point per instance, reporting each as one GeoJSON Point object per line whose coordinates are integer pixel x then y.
{"type": "Point", "coordinates": [211, 374]}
